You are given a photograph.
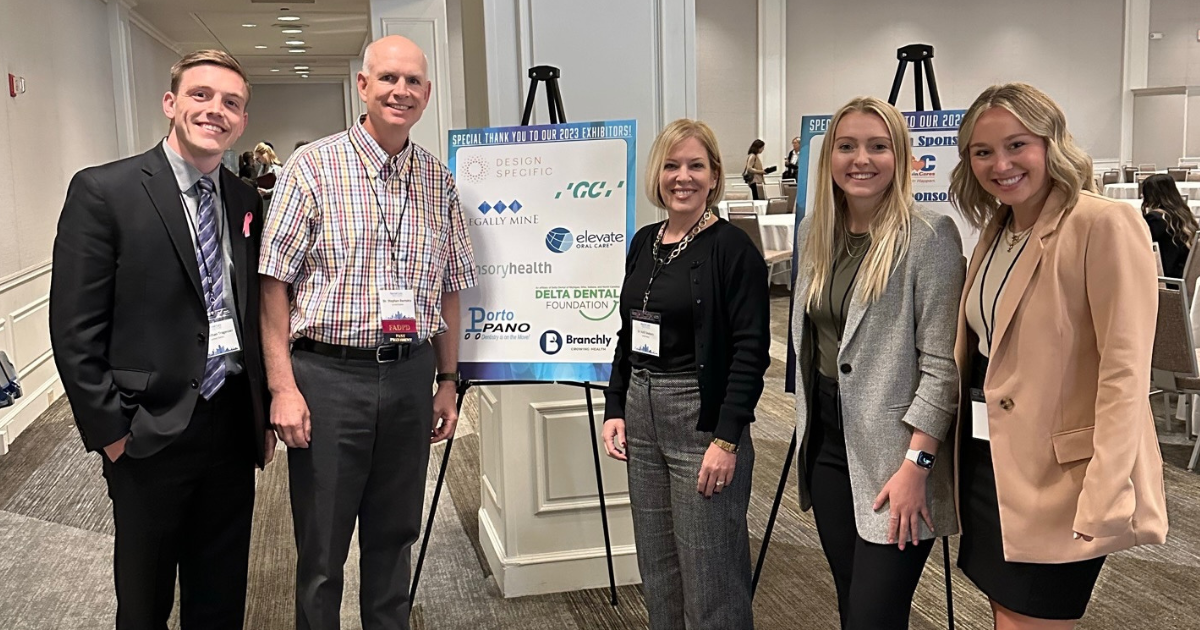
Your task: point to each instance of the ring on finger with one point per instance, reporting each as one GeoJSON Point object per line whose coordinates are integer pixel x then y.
{"type": "Point", "coordinates": [720, 483]}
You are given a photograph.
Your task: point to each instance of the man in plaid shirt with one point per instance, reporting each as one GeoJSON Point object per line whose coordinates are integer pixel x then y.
{"type": "Point", "coordinates": [363, 254]}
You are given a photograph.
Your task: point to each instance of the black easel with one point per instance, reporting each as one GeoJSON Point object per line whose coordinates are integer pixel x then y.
{"type": "Point", "coordinates": [920, 55]}
{"type": "Point", "coordinates": [550, 75]}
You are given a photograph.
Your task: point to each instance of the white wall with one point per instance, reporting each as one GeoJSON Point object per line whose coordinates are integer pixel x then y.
{"type": "Point", "coordinates": [1071, 49]}
{"type": "Point", "coordinates": [152, 63]}
{"type": "Point", "coordinates": [284, 113]}
{"type": "Point", "coordinates": [1174, 59]}
{"type": "Point", "coordinates": [1158, 121]}
{"type": "Point", "coordinates": [727, 79]}
{"type": "Point", "coordinates": [65, 121]}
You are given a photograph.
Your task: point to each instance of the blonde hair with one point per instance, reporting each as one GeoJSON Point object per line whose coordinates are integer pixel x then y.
{"type": "Point", "coordinates": [667, 139]}
{"type": "Point", "coordinates": [262, 148]}
{"type": "Point", "coordinates": [889, 228]}
{"type": "Point", "coordinates": [1068, 167]}
{"type": "Point", "coordinates": [210, 57]}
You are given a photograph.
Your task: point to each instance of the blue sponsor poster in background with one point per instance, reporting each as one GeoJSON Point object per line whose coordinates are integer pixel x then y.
{"type": "Point", "coordinates": [550, 211]}
{"type": "Point", "coordinates": [935, 154]}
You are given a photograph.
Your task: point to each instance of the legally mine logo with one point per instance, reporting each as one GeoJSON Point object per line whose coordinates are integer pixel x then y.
{"type": "Point", "coordinates": [502, 213]}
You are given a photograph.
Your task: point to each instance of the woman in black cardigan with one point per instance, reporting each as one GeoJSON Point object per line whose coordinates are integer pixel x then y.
{"type": "Point", "coordinates": [1170, 220]}
{"type": "Point", "coordinates": [687, 374]}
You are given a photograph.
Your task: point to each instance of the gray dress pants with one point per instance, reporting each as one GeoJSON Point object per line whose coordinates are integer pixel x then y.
{"type": "Point", "coordinates": [693, 552]}
{"type": "Point", "coordinates": [366, 462]}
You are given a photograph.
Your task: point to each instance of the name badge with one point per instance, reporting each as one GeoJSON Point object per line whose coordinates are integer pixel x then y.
{"type": "Point", "coordinates": [979, 416]}
{"type": "Point", "coordinates": [222, 334]}
{"type": "Point", "coordinates": [398, 311]}
{"type": "Point", "coordinates": [645, 336]}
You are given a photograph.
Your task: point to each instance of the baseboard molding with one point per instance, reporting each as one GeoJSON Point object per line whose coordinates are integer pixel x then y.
{"type": "Point", "coordinates": [28, 407]}
{"type": "Point", "coordinates": [537, 574]}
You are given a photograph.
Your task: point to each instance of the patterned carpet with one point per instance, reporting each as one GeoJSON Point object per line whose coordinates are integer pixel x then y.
{"type": "Point", "coordinates": [56, 548]}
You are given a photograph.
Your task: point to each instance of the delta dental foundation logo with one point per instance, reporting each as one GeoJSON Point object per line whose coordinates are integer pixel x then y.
{"type": "Point", "coordinates": [592, 303]}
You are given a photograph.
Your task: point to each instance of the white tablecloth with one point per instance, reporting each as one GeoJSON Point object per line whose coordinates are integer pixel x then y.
{"type": "Point", "coordinates": [777, 230]}
{"type": "Point", "coordinates": [760, 207]}
{"type": "Point", "coordinates": [1130, 191]}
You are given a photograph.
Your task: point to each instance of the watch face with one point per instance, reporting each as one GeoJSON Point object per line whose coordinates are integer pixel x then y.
{"type": "Point", "coordinates": [924, 460]}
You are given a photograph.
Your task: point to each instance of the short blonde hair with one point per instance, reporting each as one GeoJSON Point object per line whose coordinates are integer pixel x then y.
{"type": "Point", "coordinates": [890, 227]}
{"type": "Point", "coordinates": [210, 57]}
{"type": "Point", "coordinates": [1068, 167]}
{"type": "Point", "coordinates": [262, 148]}
{"type": "Point", "coordinates": [667, 139]}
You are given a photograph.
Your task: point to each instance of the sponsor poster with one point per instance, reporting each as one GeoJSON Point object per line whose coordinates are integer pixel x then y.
{"type": "Point", "coordinates": [935, 153]}
{"type": "Point", "coordinates": [550, 211]}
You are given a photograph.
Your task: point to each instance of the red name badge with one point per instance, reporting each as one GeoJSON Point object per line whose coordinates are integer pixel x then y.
{"type": "Point", "coordinates": [398, 311]}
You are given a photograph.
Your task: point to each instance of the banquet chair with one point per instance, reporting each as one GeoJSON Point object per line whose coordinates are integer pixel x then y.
{"type": "Point", "coordinates": [740, 207]}
{"type": "Point", "coordinates": [773, 257]}
{"type": "Point", "coordinates": [1111, 177]}
{"type": "Point", "coordinates": [1173, 365]}
{"type": "Point", "coordinates": [737, 195]}
{"type": "Point", "coordinates": [1129, 172]}
{"type": "Point", "coordinates": [1147, 168]}
{"type": "Point", "coordinates": [777, 205]}
{"type": "Point", "coordinates": [1193, 176]}
{"type": "Point", "coordinates": [1178, 174]}
{"type": "Point", "coordinates": [1191, 268]}
{"type": "Point", "coordinates": [789, 191]}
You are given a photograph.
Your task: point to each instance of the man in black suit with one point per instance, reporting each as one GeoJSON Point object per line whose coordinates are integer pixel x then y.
{"type": "Point", "coordinates": [154, 323]}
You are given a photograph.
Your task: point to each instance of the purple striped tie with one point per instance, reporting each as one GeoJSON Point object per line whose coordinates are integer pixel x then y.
{"type": "Point", "coordinates": [212, 278]}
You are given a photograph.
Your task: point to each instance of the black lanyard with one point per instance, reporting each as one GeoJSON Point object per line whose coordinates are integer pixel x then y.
{"type": "Point", "coordinates": [659, 265]}
{"type": "Point", "coordinates": [987, 330]}
{"type": "Point", "coordinates": [394, 240]}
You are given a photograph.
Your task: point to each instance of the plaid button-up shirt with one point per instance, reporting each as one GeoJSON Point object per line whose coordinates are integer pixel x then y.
{"type": "Point", "coordinates": [343, 214]}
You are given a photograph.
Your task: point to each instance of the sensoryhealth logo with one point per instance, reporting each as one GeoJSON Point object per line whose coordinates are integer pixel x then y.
{"type": "Point", "coordinates": [559, 240]}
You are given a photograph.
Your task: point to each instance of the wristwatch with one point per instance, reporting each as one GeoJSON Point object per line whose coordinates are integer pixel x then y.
{"type": "Point", "coordinates": [448, 376]}
{"type": "Point", "coordinates": [920, 458]}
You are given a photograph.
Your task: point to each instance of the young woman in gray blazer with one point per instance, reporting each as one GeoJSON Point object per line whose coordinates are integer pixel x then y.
{"type": "Point", "coordinates": [874, 321]}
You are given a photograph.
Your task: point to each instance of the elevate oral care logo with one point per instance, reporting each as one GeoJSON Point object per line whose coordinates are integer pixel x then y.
{"type": "Point", "coordinates": [559, 240]}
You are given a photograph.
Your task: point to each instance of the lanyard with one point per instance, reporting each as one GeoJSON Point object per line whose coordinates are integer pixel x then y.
{"type": "Point", "coordinates": [659, 265]}
{"type": "Point", "coordinates": [988, 330]}
{"type": "Point", "coordinates": [408, 191]}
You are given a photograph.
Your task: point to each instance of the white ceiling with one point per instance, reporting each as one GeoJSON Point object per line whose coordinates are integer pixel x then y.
{"type": "Point", "coordinates": [333, 32]}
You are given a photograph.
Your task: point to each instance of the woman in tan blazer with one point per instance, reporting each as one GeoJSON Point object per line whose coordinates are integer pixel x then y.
{"type": "Point", "coordinates": [1058, 460]}
{"type": "Point", "coordinates": [754, 174]}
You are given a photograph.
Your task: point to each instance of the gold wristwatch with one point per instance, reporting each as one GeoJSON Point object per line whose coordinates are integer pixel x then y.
{"type": "Point", "coordinates": [728, 447]}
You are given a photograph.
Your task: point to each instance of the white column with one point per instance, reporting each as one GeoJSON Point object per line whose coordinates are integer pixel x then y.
{"type": "Point", "coordinates": [122, 64]}
{"type": "Point", "coordinates": [424, 22]}
{"type": "Point", "coordinates": [1136, 69]}
{"type": "Point", "coordinates": [540, 521]}
{"type": "Point", "coordinates": [772, 79]}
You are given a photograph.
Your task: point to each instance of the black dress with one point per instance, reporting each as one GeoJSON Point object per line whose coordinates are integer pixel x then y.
{"type": "Point", "coordinates": [1042, 591]}
{"type": "Point", "coordinates": [1174, 255]}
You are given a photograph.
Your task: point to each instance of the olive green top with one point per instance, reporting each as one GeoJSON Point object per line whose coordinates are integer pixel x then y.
{"type": "Point", "coordinates": [829, 319]}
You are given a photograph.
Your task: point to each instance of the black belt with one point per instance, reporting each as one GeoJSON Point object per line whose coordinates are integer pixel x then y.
{"type": "Point", "coordinates": [387, 353]}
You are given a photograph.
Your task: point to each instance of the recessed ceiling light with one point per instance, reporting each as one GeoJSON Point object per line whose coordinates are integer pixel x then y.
{"type": "Point", "coordinates": [261, 47]}
{"type": "Point", "coordinates": [249, 25]}
{"type": "Point", "coordinates": [295, 50]}
{"type": "Point", "coordinates": [274, 69]}
{"type": "Point", "coordinates": [289, 18]}
{"type": "Point", "coordinates": [304, 75]}
{"type": "Point", "coordinates": [300, 67]}
{"type": "Point", "coordinates": [294, 42]}
{"type": "Point", "coordinates": [292, 31]}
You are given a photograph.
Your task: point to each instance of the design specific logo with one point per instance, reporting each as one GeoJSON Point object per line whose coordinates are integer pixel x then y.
{"type": "Point", "coordinates": [551, 342]}
{"type": "Point", "coordinates": [559, 240]}
{"type": "Point", "coordinates": [474, 169]}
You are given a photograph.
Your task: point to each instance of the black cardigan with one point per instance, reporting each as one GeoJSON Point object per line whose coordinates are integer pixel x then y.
{"type": "Point", "coordinates": [1173, 254]}
{"type": "Point", "coordinates": [732, 313]}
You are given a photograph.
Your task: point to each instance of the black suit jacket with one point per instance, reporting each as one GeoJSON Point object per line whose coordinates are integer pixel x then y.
{"type": "Point", "coordinates": [127, 317]}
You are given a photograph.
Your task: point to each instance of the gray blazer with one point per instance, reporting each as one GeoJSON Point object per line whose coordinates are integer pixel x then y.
{"type": "Point", "coordinates": [897, 373]}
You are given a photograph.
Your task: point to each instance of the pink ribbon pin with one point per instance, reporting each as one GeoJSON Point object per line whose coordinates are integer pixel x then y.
{"type": "Point", "coordinates": [246, 225]}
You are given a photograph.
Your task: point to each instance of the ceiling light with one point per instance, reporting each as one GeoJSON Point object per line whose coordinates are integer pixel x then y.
{"type": "Point", "coordinates": [292, 31]}
{"type": "Point", "coordinates": [289, 18]}
{"type": "Point", "coordinates": [304, 75]}
{"type": "Point", "coordinates": [294, 42]}
{"type": "Point", "coordinates": [274, 69]}
{"type": "Point", "coordinates": [295, 50]}
{"type": "Point", "coordinates": [300, 67]}
{"type": "Point", "coordinates": [249, 25]}
{"type": "Point", "coordinates": [261, 47]}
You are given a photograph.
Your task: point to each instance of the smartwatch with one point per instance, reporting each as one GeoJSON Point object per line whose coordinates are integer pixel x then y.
{"type": "Point", "coordinates": [920, 458]}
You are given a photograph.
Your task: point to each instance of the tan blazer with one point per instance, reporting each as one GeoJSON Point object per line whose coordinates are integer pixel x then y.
{"type": "Point", "coordinates": [1067, 388]}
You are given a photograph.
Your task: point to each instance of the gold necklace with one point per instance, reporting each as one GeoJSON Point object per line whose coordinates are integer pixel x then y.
{"type": "Point", "coordinates": [862, 241]}
{"type": "Point", "coordinates": [1012, 238]}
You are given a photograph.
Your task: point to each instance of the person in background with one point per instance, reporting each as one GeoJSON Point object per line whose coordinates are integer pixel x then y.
{"type": "Point", "coordinates": [268, 164]}
{"type": "Point", "coordinates": [791, 166]}
{"type": "Point", "coordinates": [877, 390]}
{"type": "Point", "coordinates": [154, 324]}
{"type": "Point", "coordinates": [753, 172]}
{"type": "Point", "coordinates": [686, 377]}
{"type": "Point", "coordinates": [351, 377]}
{"type": "Point", "coordinates": [1172, 224]}
{"type": "Point", "coordinates": [246, 168]}
{"type": "Point", "coordinates": [299, 143]}
{"type": "Point", "coordinates": [1055, 333]}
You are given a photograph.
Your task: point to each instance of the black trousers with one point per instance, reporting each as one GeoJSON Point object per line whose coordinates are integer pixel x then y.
{"type": "Point", "coordinates": [187, 508]}
{"type": "Point", "coordinates": [875, 583]}
{"type": "Point", "coordinates": [756, 191]}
